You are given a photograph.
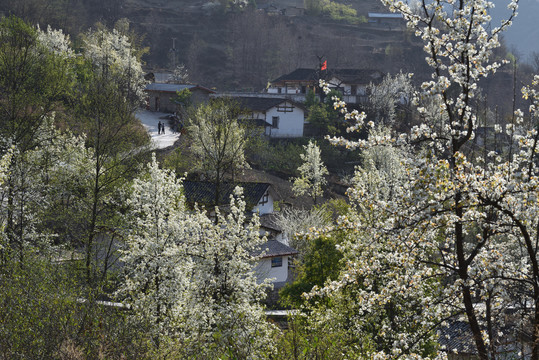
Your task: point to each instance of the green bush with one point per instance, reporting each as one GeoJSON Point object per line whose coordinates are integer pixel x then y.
{"type": "Point", "coordinates": [45, 313]}
{"type": "Point", "coordinates": [321, 263]}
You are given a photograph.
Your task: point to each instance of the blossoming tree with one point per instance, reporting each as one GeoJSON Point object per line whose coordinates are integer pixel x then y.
{"type": "Point", "coordinates": [192, 277]}
{"type": "Point", "coordinates": [465, 221]}
{"type": "Point", "coordinates": [218, 141]}
{"type": "Point", "coordinates": [110, 90]}
{"type": "Point", "coordinates": [312, 173]}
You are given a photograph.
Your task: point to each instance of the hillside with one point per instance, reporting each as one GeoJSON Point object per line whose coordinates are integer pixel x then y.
{"type": "Point", "coordinates": [234, 49]}
{"type": "Point", "coordinates": [247, 49]}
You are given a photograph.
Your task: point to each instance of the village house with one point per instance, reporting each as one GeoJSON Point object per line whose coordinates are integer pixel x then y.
{"type": "Point", "coordinates": [280, 118]}
{"type": "Point", "coordinates": [352, 83]}
{"type": "Point", "coordinates": [160, 96]}
{"type": "Point", "coordinates": [274, 262]}
{"type": "Point", "coordinates": [389, 21]}
{"type": "Point", "coordinates": [258, 196]}
{"type": "Point", "coordinates": [275, 253]}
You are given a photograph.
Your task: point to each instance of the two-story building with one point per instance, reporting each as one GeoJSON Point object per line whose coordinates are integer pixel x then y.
{"type": "Point", "coordinates": [274, 254]}
{"type": "Point", "coordinates": [281, 118]}
{"type": "Point", "coordinates": [352, 83]}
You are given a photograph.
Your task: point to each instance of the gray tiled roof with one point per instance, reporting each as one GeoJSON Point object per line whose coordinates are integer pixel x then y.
{"type": "Point", "coordinates": [174, 87]}
{"type": "Point", "coordinates": [457, 337]}
{"type": "Point", "coordinates": [269, 221]}
{"type": "Point", "coordinates": [350, 76]}
{"type": "Point", "coordinates": [273, 248]}
{"type": "Point", "coordinates": [300, 74]}
{"type": "Point", "coordinates": [203, 192]}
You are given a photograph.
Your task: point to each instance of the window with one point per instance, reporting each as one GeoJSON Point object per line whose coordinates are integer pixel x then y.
{"type": "Point", "coordinates": [275, 122]}
{"type": "Point", "coordinates": [285, 108]}
{"type": "Point", "coordinates": [264, 199]}
{"type": "Point", "coordinates": [277, 261]}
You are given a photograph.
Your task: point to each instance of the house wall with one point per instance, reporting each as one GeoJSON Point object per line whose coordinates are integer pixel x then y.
{"type": "Point", "coordinates": [290, 123]}
{"type": "Point", "coordinates": [291, 89]}
{"type": "Point", "coordinates": [266, 208]}
{"type": "Point", "coordinates": [263, 270]}
{"type": "Point", "coordinates": [280, 236]}
{"type": "Point", "coordinates": [161, 101]}
{"type": "Point", "coordinates": [347, 88]}
{"type": "Point", "coordinates": [389, 23]}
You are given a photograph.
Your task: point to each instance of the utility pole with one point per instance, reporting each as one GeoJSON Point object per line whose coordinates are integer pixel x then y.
{"type": "Point", "coordinates": [173, 52]}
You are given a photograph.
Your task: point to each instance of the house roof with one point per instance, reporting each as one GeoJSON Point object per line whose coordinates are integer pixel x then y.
{"type": "Point", "coordinates": [457, 337]}
{"type": "Point", "coordinates": [273, 248]}
{"type": "Point", "coordinates": [172, 88]}
{"type": "Point", "coordinates": [386, 15]}
{"type": "Point", "coordinates": [258, 103]}
{"type": "Point", "coordinates": [300, 74]}
{"type": "Point", "coordinates": [203, 192]}
{"type": "Point", "coordinates": [269, 222]}
{"type": "Point", "coordinates": [263, 104]}
{"type": "Point", "coordinates": [350, 76]}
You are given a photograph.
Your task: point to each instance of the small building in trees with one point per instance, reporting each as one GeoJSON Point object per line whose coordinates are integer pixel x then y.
{"type": "Point", "coordinates": [390, 21]}
{"type": "Point", "coordinates": [280, 117]}
{"type": "Point", "coordinates": [160, 96]}
{"type": "Point", "coordinates": [270, 228]}
{"type": "Point", "coordinates": [258, 196]}
{"type": "Point", "coordinates": [274, 262]}
{"type": "Point", "coordinates": [352, 83]}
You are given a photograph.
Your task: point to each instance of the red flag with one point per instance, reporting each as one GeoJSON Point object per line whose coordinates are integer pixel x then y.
{"type": "Point", "coordinates": [324, 65]}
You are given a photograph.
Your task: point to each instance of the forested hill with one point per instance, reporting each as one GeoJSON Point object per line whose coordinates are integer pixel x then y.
{"type": "Point", "coordinates": [235, 49]}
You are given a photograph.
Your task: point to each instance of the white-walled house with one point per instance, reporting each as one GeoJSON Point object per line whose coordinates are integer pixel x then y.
{"type": "Point", "coordinates": [389, 21]}
{"type": "Point", "coordinates": [274, 262]}
{"type": "Point", "coordinates": [276, 254]}
{"type": "Point", "coordinates": [281, 118]}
